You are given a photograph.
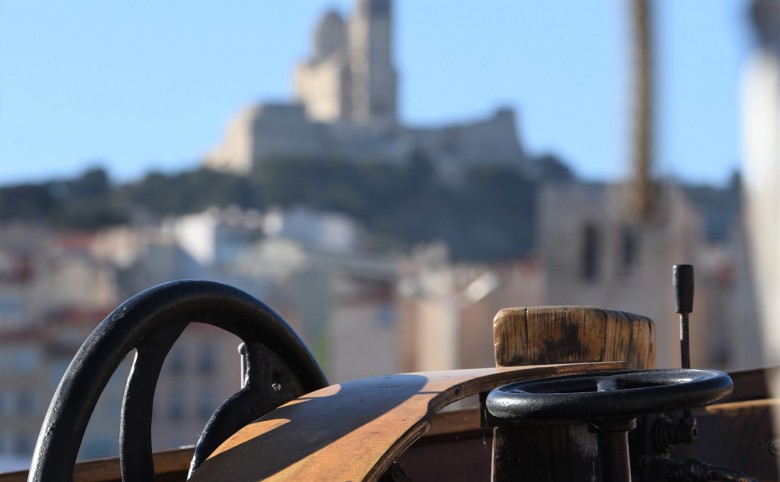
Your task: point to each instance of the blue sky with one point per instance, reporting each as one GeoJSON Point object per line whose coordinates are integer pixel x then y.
{"type": "Point", "coordinates": [151, 85]}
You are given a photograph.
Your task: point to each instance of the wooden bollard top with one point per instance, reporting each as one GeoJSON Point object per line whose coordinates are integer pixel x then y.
{"type": "Point", "coordinates": [572, 334]}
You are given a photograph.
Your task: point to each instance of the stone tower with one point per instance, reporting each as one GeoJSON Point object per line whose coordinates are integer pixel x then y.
{"type": "Point", "coordinates": [321, 82]}
{"type": "Point", "coordinates": [372, 75]}
{"type": "Point", "coordinates": [346, 107]}
{"type": "Point", "coordinates": [330, 37]}
{"type": "Point", "coordinates": [350, 75]}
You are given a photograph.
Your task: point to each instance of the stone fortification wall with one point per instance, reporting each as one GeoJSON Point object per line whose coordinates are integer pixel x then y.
{"type": "Point", "coordinates": [278, 131]}
{"type": "Point", "coordinates": [493, 140]}
{"type": "Point", "coordinates": [268, 131]}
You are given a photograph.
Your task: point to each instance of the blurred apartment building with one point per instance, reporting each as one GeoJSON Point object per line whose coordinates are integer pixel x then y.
{"type": "Point", "coordinates": [761, 140]}
{"type": "Point", "coordinates": [32, 362]}
{"type": "Point", "coordinates": [55, 290]}
{"type": "Point", "coordinates": [590, 252]}
{"type": "Point", "coordinates": [361, 313]}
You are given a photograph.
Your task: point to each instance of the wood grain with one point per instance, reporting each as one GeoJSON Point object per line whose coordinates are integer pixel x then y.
{"type": "Point", "coordinates": [572, 334]}
{"type": "Point", "coordinates": [561, 334]}
{"type": "Point", "coordinates": [752, 384]}
{"type": "Point", "coordinates": [454, 422]}
{"type": "Point", "coordinates": [353, 431]}
{"type": "Point", "coordinates": [738, 435]}
{"type": "Point", "coordinates": [168, 465]}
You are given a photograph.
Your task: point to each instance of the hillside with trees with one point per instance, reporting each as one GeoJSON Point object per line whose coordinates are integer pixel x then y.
{"type": "Point", "coordinates": [486, 213]}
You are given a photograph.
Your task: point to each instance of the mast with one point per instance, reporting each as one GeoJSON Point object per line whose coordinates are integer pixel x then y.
{"type": "Point", "coordinates": [643, 99]}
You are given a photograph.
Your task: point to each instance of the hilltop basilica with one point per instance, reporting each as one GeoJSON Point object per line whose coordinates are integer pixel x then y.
{"type": "Point", "coordinates": [346, 106]}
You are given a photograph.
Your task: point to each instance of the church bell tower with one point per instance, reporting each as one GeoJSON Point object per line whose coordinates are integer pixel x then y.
{"type": "Point", "coordinates": [373, 77]}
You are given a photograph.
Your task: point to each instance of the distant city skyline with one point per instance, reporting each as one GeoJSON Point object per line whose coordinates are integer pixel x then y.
{"type": "Point", "coordinates": [135, 88]}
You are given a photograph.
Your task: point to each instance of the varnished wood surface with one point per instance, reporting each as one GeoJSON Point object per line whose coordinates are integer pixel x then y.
{"type": "Point", "coordinates": [751, 384]}
{"type": "Point", "coordinates": [733, 434]}
{"type": "Point", "coordinates": [168, 465]}
{"type": "Point", "coordinates": [738, 435]}
{"type": "Point", "coordinates": [353, 431]}
{"type": "Point", "coordinates": [173, 464]}
{"type": "Point", "coordinates": [572, 334]}
{"type": "Point", "coordinates": [454, 422]}
{"type": "Point", "coordinates": [453, 457]}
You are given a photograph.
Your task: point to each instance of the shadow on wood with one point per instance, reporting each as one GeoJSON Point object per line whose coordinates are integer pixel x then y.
{"type": "Point", "coordinates": [353, 431]}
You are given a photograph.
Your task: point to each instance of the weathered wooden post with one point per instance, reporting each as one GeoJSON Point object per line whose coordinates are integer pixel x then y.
{"type": "Point", "coordinates": [566, 334]}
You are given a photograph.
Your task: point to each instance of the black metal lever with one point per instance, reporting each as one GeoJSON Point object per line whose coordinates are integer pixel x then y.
{"type": "Point", "coordinates": [682, 280]}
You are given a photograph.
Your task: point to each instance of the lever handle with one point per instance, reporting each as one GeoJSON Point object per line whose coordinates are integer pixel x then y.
{"type": "Point", "coordinates": [682, 280]}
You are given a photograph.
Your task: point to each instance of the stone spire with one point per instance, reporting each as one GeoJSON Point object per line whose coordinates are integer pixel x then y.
{"type": "Point", "coordinates": [330, 37]}
{"type": "Point", "coordinates": [321, 82]}
{"type": "Point", "coordinates": [373, 78]}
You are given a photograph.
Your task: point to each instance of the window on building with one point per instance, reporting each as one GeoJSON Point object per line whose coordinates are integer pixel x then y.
{"type": "Point", "coordinates": [589, 263]}
{"type": "Point", "coordinates": [379, 107]}
{"type": "Point", "coordinates": [206, 405]}
{"type": "Point", "coordinates": [380, 7]}
{"type": "Point", "coordinates": [25, 403]}
{"type": "Point", "coordinates": [386, 315]}
{"type": "Point", "coordinates": [629, 249]}
{"type": "Point", "coordinates": [112, 407]}
{"type": "Point", "coordinates": [26, 360]}
{"type": "Point", "coordinates": [177, 440]}
{"type": "Point", "coordinates": [57, 370]}
{"type": "Point", "coordinates": [119, 378]}
{"type": "Point", "coordinates": [176, 405]}
{"type": "Point", "coordinates": [23, 444]}
{"type": "Point", "coordinates": [6, 442]}
{"type": "Point", "coordinates": [207, 360]}
{"type": "Point", "coordinates": [176, 362]}
{"type": "Point", "coordinates": [98, 446]}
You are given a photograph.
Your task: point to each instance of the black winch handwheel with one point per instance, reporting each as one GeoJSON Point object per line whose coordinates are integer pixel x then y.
{"type": "Point", "coordinates": [608, 395]}
{"type": "Point", "coordinates": [609, 402]}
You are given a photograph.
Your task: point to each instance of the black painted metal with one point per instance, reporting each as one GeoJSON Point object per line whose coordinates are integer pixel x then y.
{"type": "Point", "coordinates": [612, 438]}
{"type": "Point", "coordinates": [269, 383]}
{"type": "Point", "coordinates": [607, 395]}
{"type": "Point", "coordinates": [613, 457]}
{"type": "Point", "coordinates": [665, 433]}
{"type": "Point", "coordinates": [135, 434]}
{"type": "Point", "coordinates": [151, 322]}
{"type": "Point", "coordinates": [609, 402]}
{"type": "Point", "coordinates": [682, 281]}
{"type": "Point", "coordinates": [691, 470]}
